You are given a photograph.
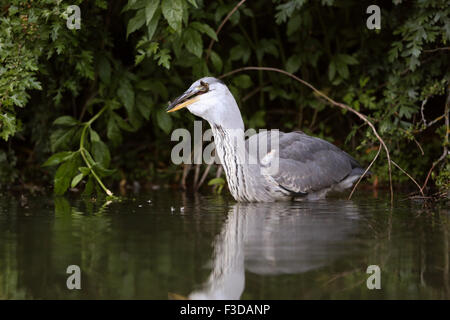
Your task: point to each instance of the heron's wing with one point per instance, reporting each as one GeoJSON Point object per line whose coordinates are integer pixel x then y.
{"type": "Point", "coordinates": [308, 164]}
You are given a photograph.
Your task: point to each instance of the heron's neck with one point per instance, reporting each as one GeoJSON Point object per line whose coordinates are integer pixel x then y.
{"type": "Point", "coordinates": [231, 150]}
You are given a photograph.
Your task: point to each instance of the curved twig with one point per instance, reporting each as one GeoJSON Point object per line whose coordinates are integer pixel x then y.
{"type": "Point", "coordinates": [437, 49]}
{"type": "Point", "coordinates": [406, 173]}
{"type": "Point", "coordinates": [446, 141]}
{"type": "Point", "coordinates": [367, 170]}
{"type": "Point", "coordinates": [338, 104]}
{"type": "Point", "coordinates": [211, 43]}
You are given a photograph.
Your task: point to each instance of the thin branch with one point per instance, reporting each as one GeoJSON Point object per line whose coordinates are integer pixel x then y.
{"type": "Point", "coordinates": [418, 144]}
{"type": "Point", "coordinates": [422, 107]}
{"type": "Point", "coordinates": [447, 131]}
{"type": "Point", "coordinates": [420, 189]}
{"type": "Point", "coordinates": [204, 175]}
{"type": "Point", "coordinates": [367, 170]}
{"type": "Point", "coordinates": [338, 104]}
{"type": "Point", "coordinates": [437, 49]}
{"type": "Point", "coordinates": [211, 43]}
{"type": "Point", "coordinates": [435, 120]}
{"type": "Point", "coordinates": [253, 92]}
{"type": "Point", "coordinates": [86, 104]}
{"type": "Point", "coordinates": [186, 169]}
{"type": "Point", "coordinates": [196, 176]}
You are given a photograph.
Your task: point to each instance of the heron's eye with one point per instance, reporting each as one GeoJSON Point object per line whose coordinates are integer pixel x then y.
{"type": "Point", "coordinates": [204, 86]}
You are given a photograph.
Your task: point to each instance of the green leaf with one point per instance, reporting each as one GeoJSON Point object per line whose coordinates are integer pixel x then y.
{"type": "Point", "coordinates": [104, 69]}
{"type": "Point", "coordinates": [64, 175]}
{"type": "Point", "coordinates": [193, 42]}
{"type": "Point", "coordinates": [218, 181]}
{"type": "Point", "coordinates": [204, 28]}
{"type": "Point", "coordinates": [164, 120]}
{"type": "Point", "coordinates": [193, 2]}
{"type": "Point", "coordinates": [58, 158]}
{"type": "Point", "coordinates": [293, 63]}
{"type": "Point", "coordinates": [84, 170]}
{"type": "Point", "coordinates": [216, 61]}
{"type": "Point", "coordinates": [163, 58]}
{"type": "Point", "coordinates": [89, 158]}
{"type": "Point", "coordinates": [347, 59]}
{"type": "Point", "coordinates": [122, 123]}
{"type": "Point", "coordinates": [102, 171]}
{"type": "Point", "coordinates": [136, 22]}
{"type": "Point", "coordinates": [100, 153]}
{"type": "Point", "coordinates": [126, 95]}
{"type": "Point", "coordinates": [286, 10]}
{"type": "Point", "coordinates": [342, 69]}
{"type": "Point", "coordinates": [153, 25]}
{"type": "Point", "coordinates": [173, 13]}
{"type": "Point", "coordinates": [62, 138]}
{"type": "Point", "coordinates": [89, 187]}
{"type": "Point", "coordinates": [66, 121]}
{"type": "Point", "coordinates": [243, 81]}
{"type": "Point", "coordinates": [331, 70]}
{"type": "Point", "coordinates": [293, 24]}
{"type": "Point", "coordinates": [158, 88]}
{"type": "Point", "coordinates": [94, 135]}
{"type": "Point", "coordinates": [266, 46]}
{"type": "Point", "coordinates": [76, 180]}
{"type": "Point", "coordinates": [150, 10]}
{"type": "Point", "coordinates": [238, 52]}
{"type": "Point", "coordinates": [7, 125]}
{"type": "Point", "coordinates": [134, 4]}
{"type": "Point", "coordinates": [144, 104]}
{"type": "Point", "coordinates": [113, 131]}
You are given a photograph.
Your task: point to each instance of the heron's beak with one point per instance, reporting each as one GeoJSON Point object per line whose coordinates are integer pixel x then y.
{"type": "Point", "coordinates": [184, 100]}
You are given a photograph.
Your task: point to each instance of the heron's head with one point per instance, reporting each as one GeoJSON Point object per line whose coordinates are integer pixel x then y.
{"type": "Point", "coordinates": [210, 99]}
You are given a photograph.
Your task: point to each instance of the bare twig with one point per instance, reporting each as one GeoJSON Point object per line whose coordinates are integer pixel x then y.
{"type": "Point", "coordinates": [196, 176]}
{"type": "Point", "coordinates": [422, 107]}
{"type": "Point", "coordinates": [253, 92]}
{"type": "Point", "coordinates": [337, 104]}
{"type": "Point", "coordinates": [437, 49]}
{"type": "Point", "coordinates": [420, 189]}
{"type": "Point", "coordinates": [435, 120]}
{"type": "Point", "coordinates": [447, 131]}
{"type": "Point", "coordinates": [367, 170]}
{"type": "Point", "coordinates": [418, 144]}
{"type": "Point", "coordinates": [211, 43]}
{"type": "Point", "coordinates": [429, 124]}
{"type": "Point", "coordinates": [186, 169]}
{"type": "Point", "coordinates": [204, 175]}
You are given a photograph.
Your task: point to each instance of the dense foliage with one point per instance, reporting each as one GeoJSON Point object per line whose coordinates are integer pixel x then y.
{"type": "Point", "coordinates": [78, 99]}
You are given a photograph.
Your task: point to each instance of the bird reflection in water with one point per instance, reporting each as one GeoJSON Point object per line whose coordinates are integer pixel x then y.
{"type": "Point", "coordinates": [274, 239]}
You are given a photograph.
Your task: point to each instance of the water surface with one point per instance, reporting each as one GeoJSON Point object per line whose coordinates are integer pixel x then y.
{"type": "Point", "coordinates": [164, 243]}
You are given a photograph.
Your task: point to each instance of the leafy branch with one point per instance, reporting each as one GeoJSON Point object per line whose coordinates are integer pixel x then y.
{"type": "Point", "coordinates": [84, 152]}
{"type": "Point", "coordinates": [69, 160]}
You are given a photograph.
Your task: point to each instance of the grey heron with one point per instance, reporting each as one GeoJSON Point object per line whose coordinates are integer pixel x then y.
{"type": "Point", "coordinates": [307, 167]}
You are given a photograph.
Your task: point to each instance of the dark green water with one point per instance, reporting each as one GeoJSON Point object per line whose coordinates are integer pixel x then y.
{"type": "Point", "coordinates": [216, 248]}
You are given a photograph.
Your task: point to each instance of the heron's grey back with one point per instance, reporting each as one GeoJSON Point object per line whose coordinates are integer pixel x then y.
{"type": "Point", "coordinates": [308, 164]}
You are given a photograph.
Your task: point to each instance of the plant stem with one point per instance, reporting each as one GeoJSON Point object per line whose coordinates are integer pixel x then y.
{"type": "Point", "coordinates": [82, 150]}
